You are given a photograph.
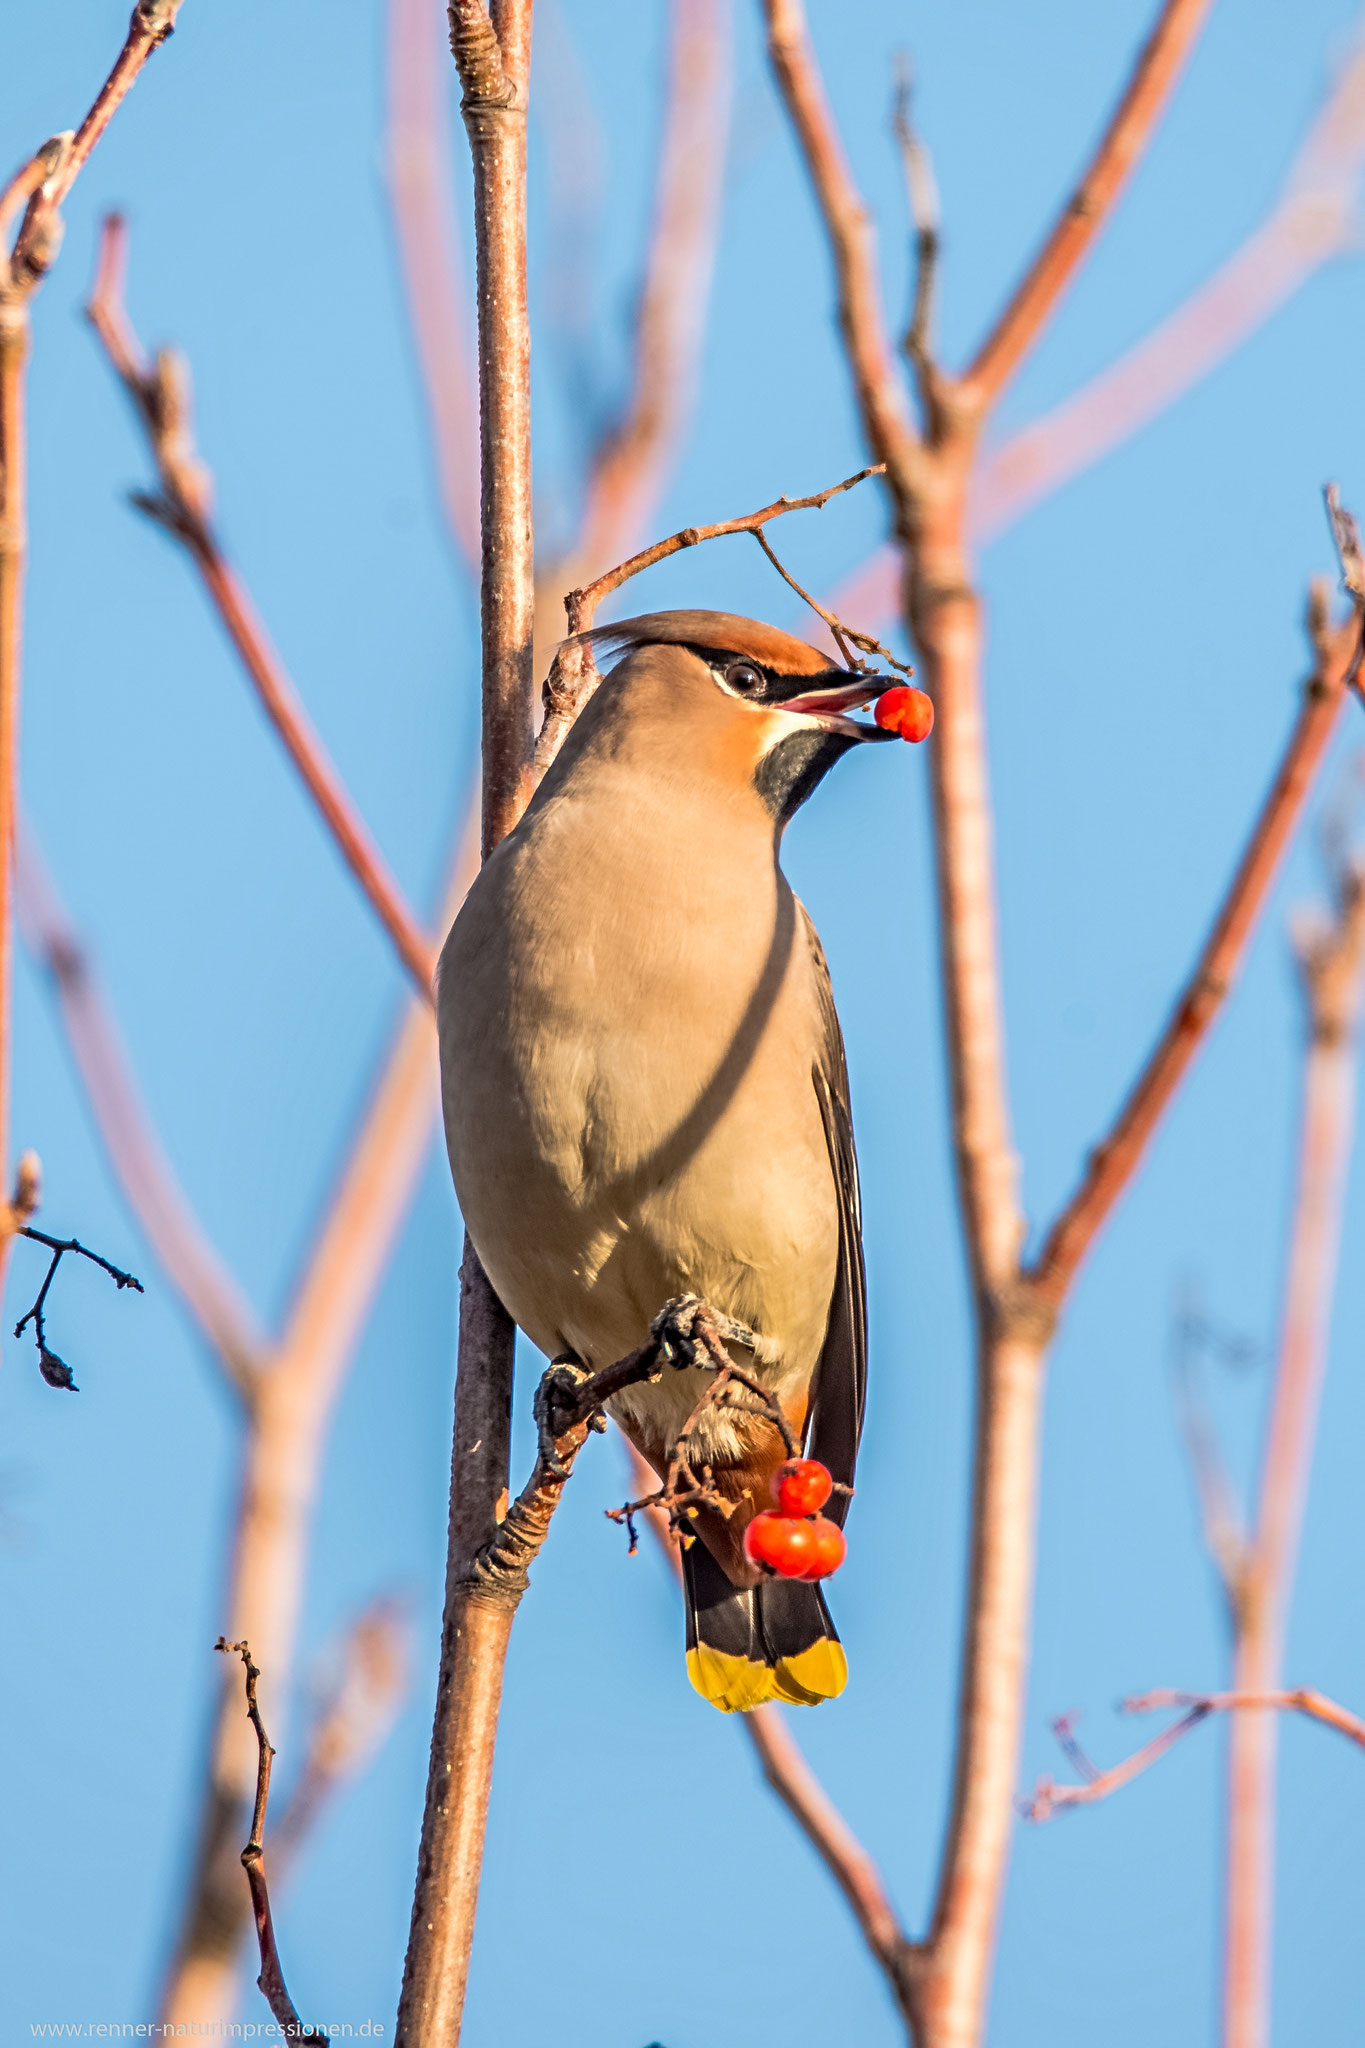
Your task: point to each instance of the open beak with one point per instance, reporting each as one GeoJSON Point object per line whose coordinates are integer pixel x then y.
{"type": "Point", "coordinates": [830, 704]}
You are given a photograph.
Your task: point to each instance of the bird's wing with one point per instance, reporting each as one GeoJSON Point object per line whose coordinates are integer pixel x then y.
{"type": "Point", "coordinates": [840, 1387]}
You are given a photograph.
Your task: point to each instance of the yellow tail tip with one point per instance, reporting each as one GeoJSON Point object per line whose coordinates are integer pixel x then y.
{"type": "Point", "coordinates": [736, 1684]}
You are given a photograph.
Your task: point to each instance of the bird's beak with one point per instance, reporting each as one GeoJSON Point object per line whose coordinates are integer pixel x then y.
{"type": "Point", "coordinates": [829, 705]}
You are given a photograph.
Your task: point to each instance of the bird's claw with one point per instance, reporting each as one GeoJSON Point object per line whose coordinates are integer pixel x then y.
{"type": "Point", "coordinates": [561, 1378]}
{"type": "Point", "coordinates": [677, 1331]}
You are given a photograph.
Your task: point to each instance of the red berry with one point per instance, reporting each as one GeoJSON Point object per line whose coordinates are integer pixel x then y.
{"type": "Point", "coordinates": [905, 711]}
{"type": "Point", "coordinates": [828, 1548]}
{"type": "Point", "coordinates": [802, 1486]}
{"type": "Point", "coordinates": [784, 1544]}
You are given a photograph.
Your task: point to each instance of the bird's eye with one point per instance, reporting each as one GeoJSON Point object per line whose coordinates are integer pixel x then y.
{"type": "Point", "coordinates": [743, 678]}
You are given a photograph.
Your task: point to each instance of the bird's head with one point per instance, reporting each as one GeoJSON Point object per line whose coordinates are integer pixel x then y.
{"type": "Point", "coordinates": [755, 707]}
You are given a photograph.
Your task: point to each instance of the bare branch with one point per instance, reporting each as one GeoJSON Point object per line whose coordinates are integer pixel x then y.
{"type": "Point", "coordinates": [1124, 143]}
{"type": "Point", "coordinates": [134, 1151]}
{"type": "Point", "coordinates": [161, 397]}
{"type": "Point", "coordinates": [1115, 1159]}
{"type": "Point", "coordinates": [1050, 1798]}
{"type": "Point", "coordinates": [55, 1370]}
{"type": "Point", "coordinates": [850, 233]}
{"type": "Point", "coordinates": [494, 58]}
{"type": "Point", "coordinates": [581, 605]}
{"type": "Point", "coordinates": [271, 1980]}
{"type": "Point", "coordinates": [1332, 967]}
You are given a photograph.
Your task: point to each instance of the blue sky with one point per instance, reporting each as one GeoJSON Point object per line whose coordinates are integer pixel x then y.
{"type": "Point", "coordinates": [1145, 643]}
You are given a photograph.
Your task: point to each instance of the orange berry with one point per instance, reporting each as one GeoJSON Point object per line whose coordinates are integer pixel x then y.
{"type": "Point", "coordinates": [906, 711]}
{"type": "Point", "coordinates": [802, 1486]}
{"type": "Point", "coordinates": [783, 1544]}
{"type": "Point", "coordinates": [828, 1548]}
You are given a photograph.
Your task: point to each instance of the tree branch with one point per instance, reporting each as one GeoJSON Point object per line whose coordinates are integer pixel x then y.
{"type": "Point", "coordinates": [1332, 966]}
{"type": "Point", "coordinates": [160, 393]}
{"type": "Point", "coordinates": [1086, 212]}
{"type": "Point", "coordinates": [493, 55]}
{"type": "Point", "coordinates": [1050, 1798]}
{"type": "Point", "coordinates": [271, 1980]}
{"type": "Point", "coordinates": [1116, 1158]}
{"type": "Point", "coordinates": [850, 233]}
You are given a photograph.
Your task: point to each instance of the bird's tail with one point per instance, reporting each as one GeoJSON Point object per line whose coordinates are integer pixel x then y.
{"type": "Point", "coordinates": [745, 1645]}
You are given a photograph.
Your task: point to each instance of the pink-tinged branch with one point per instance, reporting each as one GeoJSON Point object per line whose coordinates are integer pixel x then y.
{"type": "Point", "coordinates": [1332, 962]}
{"type": "Point", "coordinates": [1087, 211]}
{"type": "Point", "coordinates": [1050, 1798]}
{"type": "Point", "coordinates": [850, 234]}
{"type": "Point", "coordinates": [1313, 220]}
{"type": "Point", "coordinates": [419, 157]}
{"type": "Point", "coordinates": [1115, 1159]}
{"type": "Point", "coordinates": [131, 1145]}
{"type": "Point", "coordinates": [161, 397]}
{"type": "Point", "coordinates": [631, 466]}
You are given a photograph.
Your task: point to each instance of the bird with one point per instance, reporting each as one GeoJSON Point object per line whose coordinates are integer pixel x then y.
{"type": "Point", "coordinates": [646, 1096]}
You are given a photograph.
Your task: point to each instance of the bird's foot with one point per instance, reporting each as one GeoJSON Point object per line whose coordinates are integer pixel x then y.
{"type": "Point", "coordinates": [688, 1331]}
{"type": "Point", "coordinates": [559, 1383]}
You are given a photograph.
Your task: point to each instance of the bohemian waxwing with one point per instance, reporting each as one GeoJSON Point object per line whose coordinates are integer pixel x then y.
{"type": "Point", "coordinates": [645, 1091]}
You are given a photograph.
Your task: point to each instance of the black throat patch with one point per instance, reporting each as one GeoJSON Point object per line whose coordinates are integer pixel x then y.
{"type": "Point", "coordinates": [794, 767]}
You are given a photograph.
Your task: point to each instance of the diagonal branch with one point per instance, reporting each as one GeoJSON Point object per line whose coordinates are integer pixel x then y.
{"type": "Point", "coordinates": [161, 397]}
{"type": "Point", "coordinates": [1115, 1159]}
{"type": "Point", "coordinates": [1086, 212]}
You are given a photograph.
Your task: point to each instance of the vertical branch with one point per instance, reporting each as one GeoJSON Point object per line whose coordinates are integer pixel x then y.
{"type": "Point", "coordinates": [1332, 964]}
{"type": "Point", "coordinates": [13, 545]}
{"type": "Point", "coordinates": [493, 57]}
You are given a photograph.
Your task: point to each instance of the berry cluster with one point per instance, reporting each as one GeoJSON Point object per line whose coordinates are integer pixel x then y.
{"type": "Point", "coordinates": [796, 1541]}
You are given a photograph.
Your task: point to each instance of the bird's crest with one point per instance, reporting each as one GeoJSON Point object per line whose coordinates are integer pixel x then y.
{"type": "Point", "coordinates": [726, 632]}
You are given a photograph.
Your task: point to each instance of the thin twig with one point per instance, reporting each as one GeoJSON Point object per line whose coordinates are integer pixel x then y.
{"type": "Point", "coordinates": [161, 397]}
{"type": "Point", "coordinates": [55, 1370]}
{"type": "Point", "coordinates": [271, 1980]}
{"type": "Point", "coordinates": [846, 637]}
{"type": "Point", "coordinates": [581, 605]}
{"type": "Point", "coordinates": [1049, 1798]}
{"type": "Point", "coordinates": [1087, 210]}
